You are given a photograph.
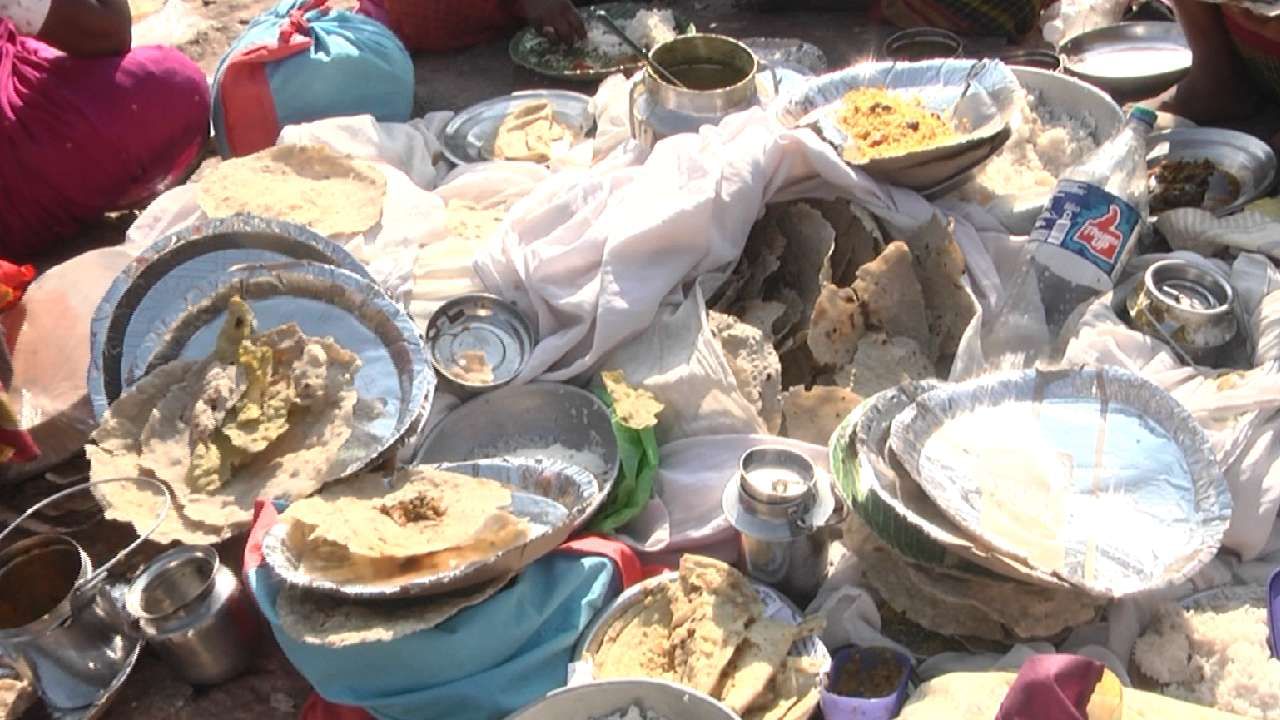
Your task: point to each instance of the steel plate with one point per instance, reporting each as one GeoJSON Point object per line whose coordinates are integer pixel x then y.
{"type": "Point", "coordinates": [554, 497]}
{"type": "Point", "coordinates": [536, 415]}
{"type": "Point", "coordinates": [611, 698]}
{"type": "Point", "coordinates": [1247, 158]}
{"type": "Point", "coordinates": [163, 275]}
{"type": "Point", "coordinates": [790, 53]}
{"type": "Point", "coordinates": [1117, 490]}
{"type": "Point", "coordinates": [470, 134]}
{"type": "Point", "coordinates": [530, 50]}
{"type": "Point", "coordinates": [323, 301]}
{"type": "Point", "coordinates": [1133, 60]}
{"type": "Point", "coordinates": [777, 607]}
{"type": "Point", "coordinates": [939, 84]}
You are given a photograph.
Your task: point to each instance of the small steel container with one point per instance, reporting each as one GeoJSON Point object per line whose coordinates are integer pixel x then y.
{"type": "Point", "coordinates": [719, 74]}
{"type": "Point", "coordinates": [1040, 59]}
{"type": "Point", "coordinates": [58, 630]}
{"type": "Point", "coordinates": [779, 510]}
{"type": "Point", "coordinates": [1186, 305]}
{"type": "Point", "coordinates": [193, 612]}
{"type": "Point", "coordinates": [477, 343]}
{"type": "Point", "coordinates": [924, 43]}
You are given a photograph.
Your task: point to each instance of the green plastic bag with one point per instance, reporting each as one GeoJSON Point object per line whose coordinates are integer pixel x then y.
{"type": "Point", "coordinates": [637, 464]}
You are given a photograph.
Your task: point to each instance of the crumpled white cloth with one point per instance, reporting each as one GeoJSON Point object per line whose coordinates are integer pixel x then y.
{"type": "Point", "coordinates": [593, 255]}
{"type": "Point", "coordinates": [1199, 231]}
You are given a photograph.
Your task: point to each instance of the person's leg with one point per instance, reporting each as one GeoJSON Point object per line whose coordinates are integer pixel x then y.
{"type": "Point", "coordinates": [84, 136]}
{"type": "Point", "coordinates": [1218, 88]}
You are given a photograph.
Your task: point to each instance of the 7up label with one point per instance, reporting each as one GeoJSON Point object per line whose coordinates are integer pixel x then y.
{"type": "Point", "coordinates": [1090, 222]}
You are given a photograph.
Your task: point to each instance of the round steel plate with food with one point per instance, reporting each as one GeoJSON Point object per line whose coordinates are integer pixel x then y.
{"type": "Point", "coordinates": [478, 342]}
{"type": "Point", "coordinates": [536, 420]}
{"type": "Point", "coordinates": [602, 53]}
{"type": "Point", "coordinates": [165, 273]}
{"type": "Point", "coordinates": [618, 699]}
{"type": "Point", "coordinates": [1093, 475]}
{"type": "Point", "coordinates": [738, 641]}
{"type": "Point", "coordinates": [429, 530]}
{"type": "Point", "coordinates": [913, 124]}
{"type": "Point", "coordinates": [1133, 60]}
{"type": "Point", "coordinates": [1208, 168]}
{"type": "Point", "coordinates": [471, 135]}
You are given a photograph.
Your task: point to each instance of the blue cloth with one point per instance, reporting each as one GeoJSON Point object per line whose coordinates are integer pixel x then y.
{"type": "Point", "coordinates": [482, 664]}
{"type": "Point", "coordinates": [355, 66]}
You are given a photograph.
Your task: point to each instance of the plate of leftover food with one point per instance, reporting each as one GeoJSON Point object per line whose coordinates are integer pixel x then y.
{"type": "Point", "coordinates": [709, 628]}
{"type": "Point", "coordinates": [1093, 475]}
{"type": "Point", "coordinates": [602, 53]}
{"type": "Point", "coordinates": [265, 382]}
{"type": "Point", "coordinates": [1208, 168]}
{"type": "Point", "coordinates": [428, 530]}
{"type": "Point", "coordinates": [625, 700]}
{"type": "Point", "coordinates": [533, 125]}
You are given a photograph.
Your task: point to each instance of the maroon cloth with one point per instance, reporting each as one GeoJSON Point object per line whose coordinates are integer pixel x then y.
{"type": "Point", "coordinates": [1052, 687]}
{"type": "Point", "coordinates": [84, 136]}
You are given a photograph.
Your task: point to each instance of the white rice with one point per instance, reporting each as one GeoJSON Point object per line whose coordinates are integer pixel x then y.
{"type": "Point", "coordinates": [648, 29]}
{"type": "Point", "coordinates": [633, 713]}
{"type": "Point", "coordinates": [1044, 143]}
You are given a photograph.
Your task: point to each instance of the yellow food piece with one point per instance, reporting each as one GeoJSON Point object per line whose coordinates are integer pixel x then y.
{"type": "Point", "coordinates": [883, 123]}
{"type": "Point", "coordinates": [636, 408]}
{"type": "Point", "coordinates": [238, 327]}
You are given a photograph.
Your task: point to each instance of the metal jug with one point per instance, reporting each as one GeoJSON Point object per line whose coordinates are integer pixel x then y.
{"type": "Point", "coordinates": [780, 512]}
{"type": "Point", "coordinates": [659, 109]}
{"type": "Point", "coordinates": [192, 611]}
{"type": "Point", "coordinates": [59, 625]}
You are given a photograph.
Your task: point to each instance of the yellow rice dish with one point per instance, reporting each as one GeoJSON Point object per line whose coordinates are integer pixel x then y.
{"type": "Point", "coordinates": [882, 123]}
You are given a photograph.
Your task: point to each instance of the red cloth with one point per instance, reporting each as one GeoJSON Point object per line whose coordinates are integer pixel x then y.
{"type": "Point", "coordinates": [14, 280]}
{"type": "Point", "coordinates": [1052, 687]}
{"type": "Point", "coordinates": [83, 136]}
{"type": "Point", "coordinates": [444, 25]}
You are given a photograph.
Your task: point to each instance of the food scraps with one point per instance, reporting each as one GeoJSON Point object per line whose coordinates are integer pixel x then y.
{"type": "Point", "coordinates": [874, 674]}
{"type": "Point", "coordinates": [707, 630]}
{"type": "Point", "coordinates": [882, 123]}
{"type": "Point", "coordinates": [265, 415]}
{"type": "Point", "coordinates": [532, 133]}
{"type": "Point", "coordinates": [635, 408]}
{"type": "Point", "coordinates": [1191, 183]}
{"type": "Point", "coordinates": [435, 521]}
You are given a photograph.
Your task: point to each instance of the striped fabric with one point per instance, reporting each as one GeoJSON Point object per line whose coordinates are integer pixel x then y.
{"type": "Point", "coordinates": [1257, 39]}
{"type": "Point", "coordinates": [1008, 18]}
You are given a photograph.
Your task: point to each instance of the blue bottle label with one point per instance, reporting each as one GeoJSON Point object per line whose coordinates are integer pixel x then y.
{"type": "Point", "coordinates": [1090, 222]}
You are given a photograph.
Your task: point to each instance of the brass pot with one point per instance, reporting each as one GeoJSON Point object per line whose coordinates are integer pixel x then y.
{"type": "Point", "coordinates": [719, 74]}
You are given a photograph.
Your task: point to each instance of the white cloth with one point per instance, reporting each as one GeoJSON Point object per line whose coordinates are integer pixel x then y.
{"type": "Point", "coordinates": [27, 15]}
{"type": "Point", "coordinates": [592, 255]}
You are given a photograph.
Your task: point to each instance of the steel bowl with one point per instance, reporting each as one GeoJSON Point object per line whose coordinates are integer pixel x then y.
{"type": "Point", "coordinates": [1188, 305]}
{"type": "Point", "coordinates": [603, 699]}
{"type": "Point", "coordinates": [1251, 161]}
{"type": "Point", "coordinates": [1132, 60]}
{"type": "Point", "coordinates": [925, 43]}
{"type": "Point", "coordinates": [478, 322]}
{"type": "Point", "coordinates": [1046, 60]}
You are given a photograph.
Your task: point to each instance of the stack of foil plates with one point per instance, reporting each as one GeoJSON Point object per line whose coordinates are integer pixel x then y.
{"type": "Point", "coordinates": [1090, 479]}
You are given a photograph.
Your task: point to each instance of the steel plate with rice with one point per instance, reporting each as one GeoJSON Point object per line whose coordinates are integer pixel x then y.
{"type": "Point", "coordinates": [323, 301]}
{"type": "Point", "coordinates": [164, 274]}
{"type": "Point", "coordinates": [1094, 475]}
{"type": "Point", "coordinates": [533, 51]}
{"type": "Point", "coordinates": [1132, 60]}
{"type": "Point", "coordinates": [469, 136]}
{"type": "Point", "coordinates": [977, 129]}
{"type": "Point", "coordinates": [553, 497]}
{"type": "Point", "coordinates": [1243, 168]}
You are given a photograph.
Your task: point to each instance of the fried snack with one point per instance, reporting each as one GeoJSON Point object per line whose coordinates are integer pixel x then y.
{"type": "Point", "coordinates": [634, 407]}
{"type": "Point", "coordinates": [531, 133]}
{"type": "Point", "coordinates": [707, 631]}
{"type": "Point", "coordinates": [882, 123]}
{"type": "Point", "coordinates": [434, 522]}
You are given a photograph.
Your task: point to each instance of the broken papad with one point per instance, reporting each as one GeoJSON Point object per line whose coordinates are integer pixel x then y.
{"type": "Point", "coordinates": [434, 521]}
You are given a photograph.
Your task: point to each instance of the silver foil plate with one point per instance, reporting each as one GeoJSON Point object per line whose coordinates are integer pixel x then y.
{"type": "Point", "coordinates": [1144, 504]}
{"type": "Point", "coordinates": [470, 134]}
{"type": "Point", "coordinates": [790, 53]}
{"type": "Point", "coordinates": [777, 607]}
{"type": "Point", "coordinates": [1246, 158]}
{"type": "Point", "coordinates": [531, 416]}
{"type": "Point", "coordinates": [613, 698]}
{"type": "Point", "coordinates": [395, 384]}
{"type": "Point", "coordinates": [554, 497]}
{"type": "Point", "coordinates": [162, 276]}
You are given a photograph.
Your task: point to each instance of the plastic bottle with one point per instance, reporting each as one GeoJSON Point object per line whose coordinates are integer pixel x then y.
{"type": "Point", "coordinates": [1079, 245]}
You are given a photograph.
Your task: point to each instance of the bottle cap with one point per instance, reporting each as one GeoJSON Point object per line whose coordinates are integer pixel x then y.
{"type": "Point", "coordinates": [1144, 115]}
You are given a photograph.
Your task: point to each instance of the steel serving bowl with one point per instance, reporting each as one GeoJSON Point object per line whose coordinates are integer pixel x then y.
{"type": "Point", "coordinates": [1131, 60]}
{"type": "Point", "coordinates": [598, 700]}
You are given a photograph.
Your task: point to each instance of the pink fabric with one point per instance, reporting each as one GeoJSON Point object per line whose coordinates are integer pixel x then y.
{"type": "Point", "coordinates": [1052, 687]}
{"type": "Point", "coordinates": [83, 136]}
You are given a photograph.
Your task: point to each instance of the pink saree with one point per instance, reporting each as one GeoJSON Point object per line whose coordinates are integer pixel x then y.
{"type": "Point", "coordinates": [84, 136]}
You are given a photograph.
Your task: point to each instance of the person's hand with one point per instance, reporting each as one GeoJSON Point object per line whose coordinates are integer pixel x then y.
{"type": "Point", "coordinates": [553, 18]}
